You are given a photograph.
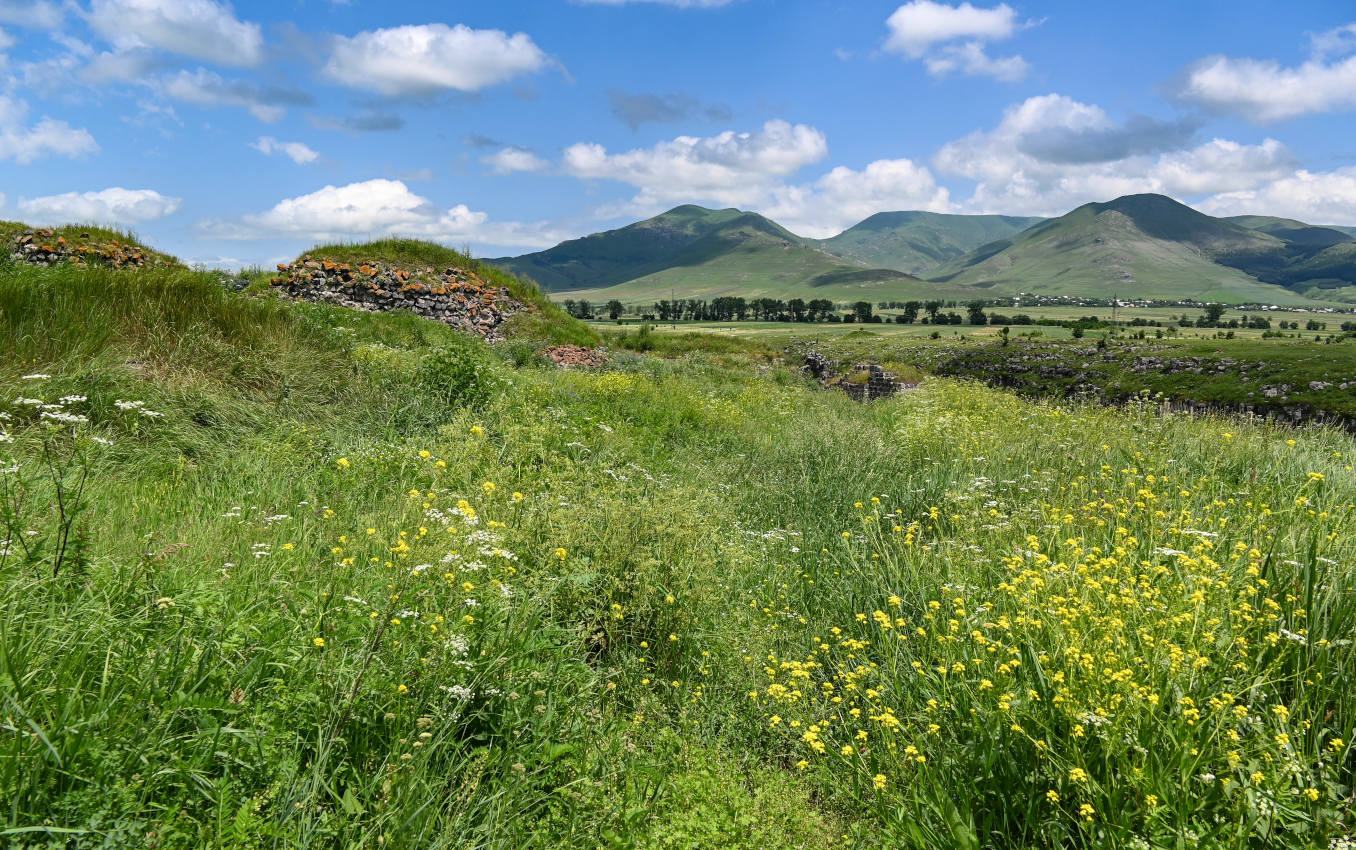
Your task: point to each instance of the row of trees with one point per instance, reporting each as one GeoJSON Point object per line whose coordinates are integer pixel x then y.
{"type": "Point", "coordinates": [738, 309]}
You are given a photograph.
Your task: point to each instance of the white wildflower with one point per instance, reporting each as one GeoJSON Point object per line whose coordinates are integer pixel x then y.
{"type": "Point", "coordinates": [65, 418]}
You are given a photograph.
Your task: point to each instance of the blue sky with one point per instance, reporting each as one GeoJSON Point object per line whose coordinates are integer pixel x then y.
{"type": "Point", "coordinates": [234, 134]}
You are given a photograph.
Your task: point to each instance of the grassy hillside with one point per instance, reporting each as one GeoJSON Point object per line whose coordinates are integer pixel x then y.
{"type": "Point", "coordinates": [1271, 224]}
{"type": "Point", "coordinates": [758, 269]}
{"type": "Point", "coordinates": [335, 579]}
{"type": "Point", "coordinates": [916, 242]}
{"type": "Point", "coordinates": [1138, 246]}
{"type": "Point", "coordinates": [691, 252]}
{"type": "Point", "coordinates": [1141, 246]}
{"type": "Point", "coordinates": [1290, 230]}
{"type": "Point", "coordinates": [616, 256]}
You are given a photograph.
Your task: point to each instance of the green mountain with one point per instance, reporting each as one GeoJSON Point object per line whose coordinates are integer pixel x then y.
{"type": "Point", "coordinates": [1317, 260]}
{"type": "Point", "coordinates": [693, 252]}
{"type": "Point", "coordinates": [1139, 246]}
{"type": "Point", "coordinates": [917, 242]}
{"type": "Point", "coordinates": [1320, 272]}
{"type": "Point", "coordinates": [616, 256]}
{"type": "Point", "coordinates": [1285, 228]}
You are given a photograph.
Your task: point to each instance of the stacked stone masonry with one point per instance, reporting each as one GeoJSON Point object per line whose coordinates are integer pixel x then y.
{"type": "Point", "coordinates": [44, 248]}
{"type": "Point", "coordinates": [866, 382]}
{"type": "Point", "coordinates": [457, 297]}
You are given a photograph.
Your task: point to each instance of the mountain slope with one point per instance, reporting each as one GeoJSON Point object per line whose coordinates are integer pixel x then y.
{"type": "Point", "coordinates": [1315, 260]}
{"type": "Point", "coordinates": [916, 242]}
{"type": "Point", "coordinates": [1140, 246]}
{"type": "Point", "coordinates": [615, 256]}
{"type": "Point", "coordinates": [692, 252]}
{"type": "Point", "coordinates": [1292, 230]}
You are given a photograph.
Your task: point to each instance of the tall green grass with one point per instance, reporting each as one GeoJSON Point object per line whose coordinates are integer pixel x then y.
{"type": "Point", "coordinates": [262, 638]}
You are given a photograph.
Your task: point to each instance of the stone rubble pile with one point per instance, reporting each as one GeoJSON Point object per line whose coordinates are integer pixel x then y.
{"type": "Point", "coordinates": [43, 247]}
{"type": "Point", "coordinates": [878, 384]}
{"type": "Point", "coordinates": [865, 382]}
{"type": "Point", "coordinates": [457, 297]}
{"type": "Point", "coordinates": [567, 356]}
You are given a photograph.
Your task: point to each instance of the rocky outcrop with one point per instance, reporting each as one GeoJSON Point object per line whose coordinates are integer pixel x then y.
{"type": "Point", "coordinates": [457, 297]}
{"type": "Point", "coordinates": [43, 247]}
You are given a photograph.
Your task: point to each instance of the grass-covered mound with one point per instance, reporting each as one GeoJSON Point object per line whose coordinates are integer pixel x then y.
{"type": "Point", "coordinates": [344, 579]}
{"type": "Point", "coordinates": [424, 261]}
{"type": "Point", "coordinates": [79, 244]}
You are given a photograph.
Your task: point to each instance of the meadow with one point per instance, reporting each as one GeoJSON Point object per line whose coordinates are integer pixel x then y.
{"type": "Point", "coordinates": [285, 575]}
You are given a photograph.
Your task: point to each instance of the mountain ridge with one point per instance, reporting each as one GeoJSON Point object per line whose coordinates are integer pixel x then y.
{"type": "Point", "coordinates": [715, 252]}
{"type": "Point", "coordinates": [916, 241]}
{"type": "Point", "coordinates": [1136, 246]}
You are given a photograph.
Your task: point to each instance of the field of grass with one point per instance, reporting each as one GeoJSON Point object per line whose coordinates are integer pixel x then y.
{"type": "Point", "coordinates": [1292, 379]}
{"type": "Point", "coordinates": [280, 575]}
{"type": "Point", "coordinates": [1179, 317]}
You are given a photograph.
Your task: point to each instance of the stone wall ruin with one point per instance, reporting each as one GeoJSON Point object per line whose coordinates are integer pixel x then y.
{"type": "Point", "coordinates": [453, 296]}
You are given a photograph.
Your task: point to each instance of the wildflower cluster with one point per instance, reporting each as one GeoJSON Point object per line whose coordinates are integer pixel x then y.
{"type": "Point", "coordinates": [1126, 645]}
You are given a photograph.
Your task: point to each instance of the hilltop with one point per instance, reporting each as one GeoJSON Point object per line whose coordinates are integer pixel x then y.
{"type": "Point", "coordinates": [616, 256]}
{"type": "Point", "coordinates": [917, 242]}
{"type": "Point", "coordinates": [1137, 246]}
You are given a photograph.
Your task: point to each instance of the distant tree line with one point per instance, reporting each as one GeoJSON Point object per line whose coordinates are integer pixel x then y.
{"type": "Point", "coordinates": [930, 312]}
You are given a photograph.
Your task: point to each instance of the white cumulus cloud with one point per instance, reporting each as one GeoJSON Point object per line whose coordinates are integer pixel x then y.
{"type": "Point", "coordinates": [380, 207]}
{"type": "Point", "coordinates": [1264, 90]}
{"type": "Point", "coordinates": [843, 197]}
{"type": "Point", "coordinates": [109, 206]}
{"type": "Point", "coordinates": [729, 168]}
{"type": "Point", "coordinates": [1043, 159]}
{"type": "Point", "coordinates": [431, 57]}
{"type": "Point", "coordinates": [296, 151]}
{"type": "Point", "coordinates": [509, 160]}
{"type": "Point", "coordinates": [48, 137]}
{"type": "Point", "coordinates": [369, 207]}
{"type": "Point", "coordinates": [915, 27]}
{"type": "Point", "coordinates": [202, 29]}
{"type": "Point", "coordinates": [970, 59]}
{"type": "Point", "coordinates": [951, 39]}
{"type": "Point", "coordinates": [1318, 198]}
